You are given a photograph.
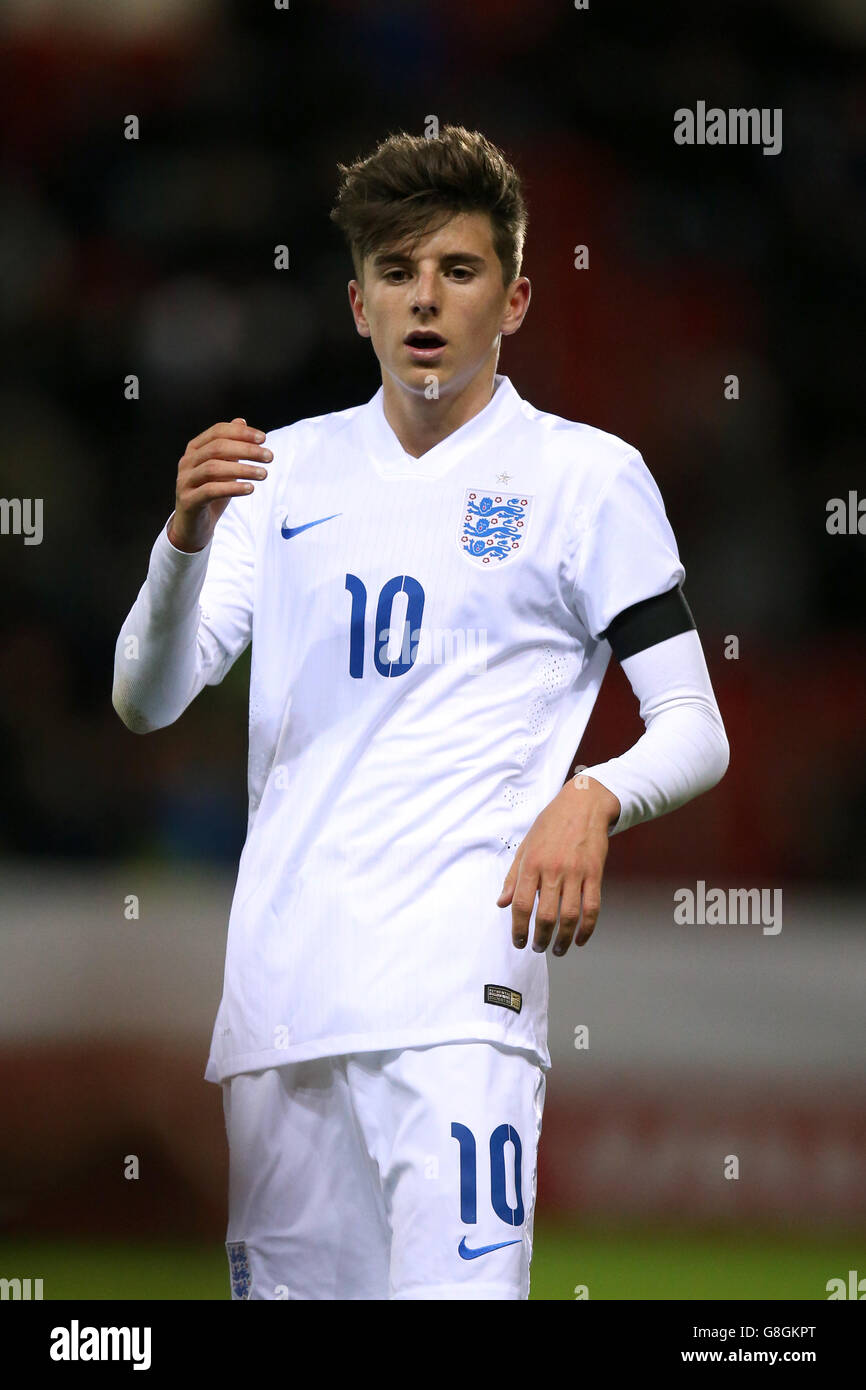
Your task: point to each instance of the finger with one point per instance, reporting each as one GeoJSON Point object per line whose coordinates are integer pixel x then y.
{"type": "Point", "coordinates": [209, 492]}
{"type": "Point", "coordinates": [590, 909]}
{"type": "Point", "coordinates": [507, 892]}
{"type": "Point", "coordinates": [510, 879]}
{"type": "Point", "coordinates": [228, 448]}
{"type": "Point", "coordinates": [569, 916]}
{"type": "Point", "coordinates": [220, 470]}
{"type": "Point", "coordinates": [236, 428]}
{"type": "Point", "coordinates": [522, 903]}
{"type": "Point", "coordinates": [547, 913]}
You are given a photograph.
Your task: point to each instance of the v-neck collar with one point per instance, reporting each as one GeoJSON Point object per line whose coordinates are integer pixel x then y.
{"type": "Point", "coordinates": [390, 459]}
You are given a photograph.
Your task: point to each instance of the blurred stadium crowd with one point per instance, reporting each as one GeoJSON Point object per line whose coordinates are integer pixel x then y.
{"type": "Point", "coordinates": [154, 257]}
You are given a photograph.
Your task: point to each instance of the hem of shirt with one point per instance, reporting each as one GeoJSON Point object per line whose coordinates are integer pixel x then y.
{"type": "Point", "coordinates": [368, 1042]}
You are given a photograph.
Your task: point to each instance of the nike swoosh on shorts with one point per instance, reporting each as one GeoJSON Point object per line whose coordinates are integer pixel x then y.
{"type": "Point", "coordinates": [466, 1254]}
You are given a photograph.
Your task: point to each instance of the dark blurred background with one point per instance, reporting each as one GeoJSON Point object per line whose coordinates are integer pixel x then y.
{"type": "Point", "coordinates": [155, 257]}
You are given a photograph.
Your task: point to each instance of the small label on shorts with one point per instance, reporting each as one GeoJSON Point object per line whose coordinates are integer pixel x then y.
{"type": "Point", "coordinates": [502, 995]}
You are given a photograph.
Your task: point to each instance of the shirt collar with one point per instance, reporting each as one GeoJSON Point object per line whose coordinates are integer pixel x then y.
{"type": "Point", "coordinates": [390, 458]}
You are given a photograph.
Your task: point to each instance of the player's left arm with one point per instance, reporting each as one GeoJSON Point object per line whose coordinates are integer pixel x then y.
{"type": "Point", "coordinates": [683, 753]}
{"type": "Point", "coordinates": [625, 550]}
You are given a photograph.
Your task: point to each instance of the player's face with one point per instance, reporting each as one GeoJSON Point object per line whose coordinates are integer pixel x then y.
{"type": "Point", "coordinates": [438, 308]}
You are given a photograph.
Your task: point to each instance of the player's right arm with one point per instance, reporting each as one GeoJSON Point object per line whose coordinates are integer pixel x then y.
{"type": "Point", "coordinates": [171, 645]}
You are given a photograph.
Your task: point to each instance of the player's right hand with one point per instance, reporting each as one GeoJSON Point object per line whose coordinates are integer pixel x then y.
{"type": "Point", "coordinates": [209, 475]}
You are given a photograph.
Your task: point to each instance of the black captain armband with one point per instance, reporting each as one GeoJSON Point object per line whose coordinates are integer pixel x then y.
{"type": "Point", "coordinates": [648, 622]}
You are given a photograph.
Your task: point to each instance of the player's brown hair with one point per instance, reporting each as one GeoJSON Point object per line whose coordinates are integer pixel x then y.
{"type": "Point", "coordinates": [411, 185]}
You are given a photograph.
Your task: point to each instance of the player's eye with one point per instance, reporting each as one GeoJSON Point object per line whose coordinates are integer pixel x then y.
{"type": "Point", "coordinates": [389, 274]}
{"type": "Point", "coordinates": [462, 272]}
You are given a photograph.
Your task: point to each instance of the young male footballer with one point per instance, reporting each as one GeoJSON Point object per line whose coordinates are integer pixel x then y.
{"type": "Point", "coordinates": [433, 583]}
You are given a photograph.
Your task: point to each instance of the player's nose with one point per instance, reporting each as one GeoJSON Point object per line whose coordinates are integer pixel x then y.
{"type": "Point", "coordinates": [425, 294]}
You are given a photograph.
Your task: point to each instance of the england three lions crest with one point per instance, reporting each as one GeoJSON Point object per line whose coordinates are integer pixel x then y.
{"type": "Point", "coordinates": [494, 525]}
{"type": "Point", "coordinates": [239, 1269]}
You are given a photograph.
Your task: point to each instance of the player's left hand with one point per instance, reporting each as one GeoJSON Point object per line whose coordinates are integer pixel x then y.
{"type": "Point", "coordinates": [562, 860]}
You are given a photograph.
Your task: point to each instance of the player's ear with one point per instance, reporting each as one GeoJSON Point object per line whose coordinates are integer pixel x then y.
{"type": "Point", "coordinates": [517, 304]}
{"type": "Point", "coordinates": [356, 304]}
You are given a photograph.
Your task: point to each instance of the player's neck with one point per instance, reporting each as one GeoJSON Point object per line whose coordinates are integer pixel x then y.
{"type": "Point", "coordinates": [421, 423]}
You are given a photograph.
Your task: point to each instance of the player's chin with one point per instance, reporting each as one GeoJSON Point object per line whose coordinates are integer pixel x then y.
{"type": "Point", "coordinates": [419, 375]}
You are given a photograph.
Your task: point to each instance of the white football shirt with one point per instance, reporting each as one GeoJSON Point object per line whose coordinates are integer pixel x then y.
{"type": "Point", "coordinates": [426, 654]}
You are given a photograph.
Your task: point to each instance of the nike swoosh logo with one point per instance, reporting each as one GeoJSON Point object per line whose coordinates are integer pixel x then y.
{"type": "Point", "coordinates": [288, 531]}
{"type": "Point", "coordinates": [466, 1254]}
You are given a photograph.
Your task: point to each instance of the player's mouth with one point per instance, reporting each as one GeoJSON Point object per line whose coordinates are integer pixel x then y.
{"type": "Point", "coordinates": [425, 345]}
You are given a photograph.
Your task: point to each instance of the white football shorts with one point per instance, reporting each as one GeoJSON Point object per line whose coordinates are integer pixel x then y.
{"type": "Point", "coordinates": [406, 1174]}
